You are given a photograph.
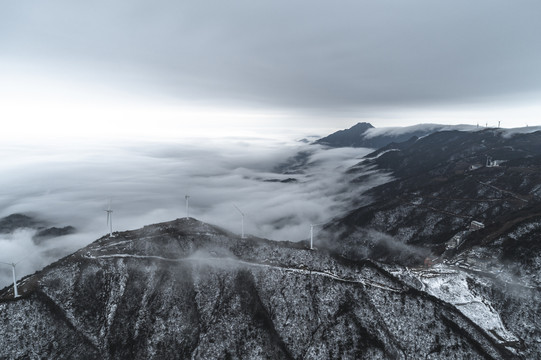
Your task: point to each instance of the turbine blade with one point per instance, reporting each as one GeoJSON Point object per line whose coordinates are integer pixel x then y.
{"type": "Point", "coordinates": [238, 210]}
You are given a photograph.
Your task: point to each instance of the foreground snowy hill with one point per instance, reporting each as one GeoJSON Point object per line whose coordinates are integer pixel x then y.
{"type": "Point", "coordinates": [186, 289]}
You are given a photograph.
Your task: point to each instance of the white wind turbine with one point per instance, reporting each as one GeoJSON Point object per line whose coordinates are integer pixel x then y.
{"type": "Point", "coordinates": [312, 235]}
{"type": "Point", "coordinates": [13, 264]}
{"type": "Point", "coordinates": [109, 212]}
{"type": "Point", "coordinates": [187, 197]}
{"type": "Point", "coordinates": [242, 221]}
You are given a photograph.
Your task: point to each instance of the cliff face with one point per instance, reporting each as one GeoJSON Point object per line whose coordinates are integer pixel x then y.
{"type": "Point", "coordinates": [185, 289]}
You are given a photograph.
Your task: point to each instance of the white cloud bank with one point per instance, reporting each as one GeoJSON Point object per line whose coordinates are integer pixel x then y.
{"type": "Point", "coordinates": [72, 184]}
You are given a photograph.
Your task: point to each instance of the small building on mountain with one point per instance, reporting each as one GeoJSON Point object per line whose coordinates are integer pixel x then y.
{"type": "Point", "coordinates": [476, 225]}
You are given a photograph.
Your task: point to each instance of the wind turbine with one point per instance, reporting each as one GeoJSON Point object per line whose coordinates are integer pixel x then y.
{"type": "Point", "coordinates": [15, 292]}
{"type": "Point", "coordinates": [187, 197]}
{"type": "Point", "coordinates": [109, 212]}
{"type": "Point", "coordinates": [312, 235]}
{"type": "Point", "coordinates": [242, 221]}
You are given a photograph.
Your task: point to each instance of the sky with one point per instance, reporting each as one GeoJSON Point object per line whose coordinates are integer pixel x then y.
{"type": "Point", "coordinates": [163, 69]}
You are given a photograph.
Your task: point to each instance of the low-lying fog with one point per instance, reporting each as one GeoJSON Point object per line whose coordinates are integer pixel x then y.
{"type": "Point", "coordinates": [71, 184]}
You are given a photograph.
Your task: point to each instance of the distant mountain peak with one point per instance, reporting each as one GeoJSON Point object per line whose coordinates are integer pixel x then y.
{"type": "Point", "coordinates": [348, 137]}
{"type": "Point", "coordinates": [44, 231]}
{"type": "Point", "coordinates": [365, 135]}
{"type": "Point", "coordinates": [361, 126]}
{"type": "Point", "coordinates": [13, 222]}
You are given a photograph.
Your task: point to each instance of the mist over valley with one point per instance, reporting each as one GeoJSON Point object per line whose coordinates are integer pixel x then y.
{"type": "Point", "coordinates": [65, 186]}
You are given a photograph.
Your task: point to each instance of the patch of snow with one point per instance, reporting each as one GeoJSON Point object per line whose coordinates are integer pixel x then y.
{"type": "Point", "coordinates": [397, 131]}
{"type": "Point", "coordinates": [383, 153]}
{"type": "Point", "coordinates": [451, 286]}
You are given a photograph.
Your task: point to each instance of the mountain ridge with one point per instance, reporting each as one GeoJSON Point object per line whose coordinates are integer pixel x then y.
{"type": "Point", "coordinates": [187, 289]}
{"type": "Point", "coordinates": [364, 134]}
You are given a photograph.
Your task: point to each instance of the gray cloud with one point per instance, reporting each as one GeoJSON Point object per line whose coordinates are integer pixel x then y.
{"type": "Point", "coordinates": [315, 55]}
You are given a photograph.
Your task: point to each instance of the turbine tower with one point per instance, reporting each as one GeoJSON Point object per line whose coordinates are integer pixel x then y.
{"type": "Point", "coordinates": [109, 212]}
{"type": "Point", "coordinates": [187, 197]}
{"type": "Point", "coordinates": [242, 221]}
{"type": "Point", "coordinates": [15, 292]}
{"type": "Point", "coordinates": [312, 235]}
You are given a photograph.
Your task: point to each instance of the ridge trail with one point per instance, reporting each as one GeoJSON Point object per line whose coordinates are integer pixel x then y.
{"type": "Point", "coordinates": [359, 280]}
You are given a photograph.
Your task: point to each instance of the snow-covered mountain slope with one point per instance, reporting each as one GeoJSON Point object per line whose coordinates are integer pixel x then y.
{"type": "Point", "coordinates": [446, 180]}
{"type": "Point", "coordinates": [469, 202]}
{"type": "Point", "coordinates": [366, 135]}
{"type": "Point", "coordinates": [185, 289]}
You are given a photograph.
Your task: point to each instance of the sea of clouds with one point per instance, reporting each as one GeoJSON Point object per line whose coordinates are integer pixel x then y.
{"type": "Point", "coordinates": [146, 182]}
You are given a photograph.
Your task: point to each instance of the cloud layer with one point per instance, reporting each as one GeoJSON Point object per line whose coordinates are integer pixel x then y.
{"type": "Point", "coordinates": [147, 182]}
{"type": "Point", "coordinates": [314, 55]}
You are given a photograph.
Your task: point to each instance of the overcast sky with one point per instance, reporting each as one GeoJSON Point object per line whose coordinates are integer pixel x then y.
{"type": "Point", "coordinates": [164, 67]}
